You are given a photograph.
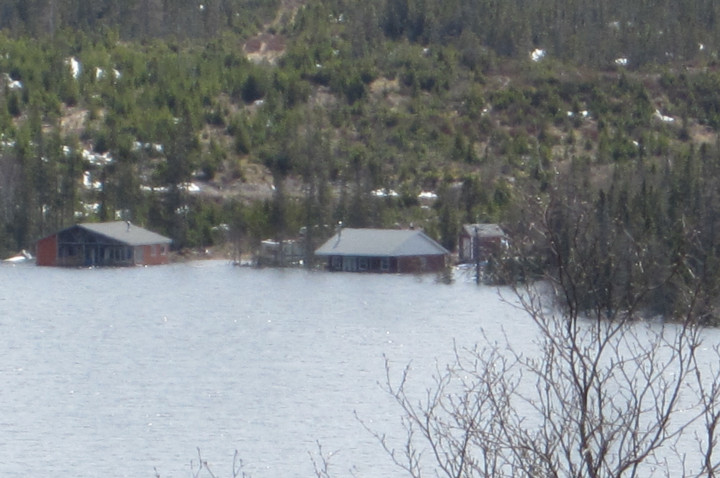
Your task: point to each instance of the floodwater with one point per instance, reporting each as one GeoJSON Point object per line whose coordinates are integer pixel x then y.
{"type": "Point", "coordinates": [128, 372]}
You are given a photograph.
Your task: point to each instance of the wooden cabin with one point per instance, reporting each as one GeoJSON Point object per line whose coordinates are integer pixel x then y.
{"type": "Point", "coordinates": [478, 242]}
{"type": "Point", "coordinates": [113, 244]}
{"type": "Point", "coordinates": [383, 250]}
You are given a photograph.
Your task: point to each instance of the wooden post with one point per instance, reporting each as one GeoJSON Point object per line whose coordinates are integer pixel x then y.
{"type": "Point", "coordinates": [476, 253]}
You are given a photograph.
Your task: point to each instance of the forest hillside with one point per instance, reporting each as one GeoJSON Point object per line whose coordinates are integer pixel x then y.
{"type": "Point", "coordinates": [588, 130]}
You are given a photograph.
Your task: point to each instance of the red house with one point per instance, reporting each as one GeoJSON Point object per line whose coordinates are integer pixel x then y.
{"type": "Point", "coordinates": [117, 243]}
{"type": "Point", "coordinates": [383, 250]}
{"type": "Point", "coordinates": [478, 242]}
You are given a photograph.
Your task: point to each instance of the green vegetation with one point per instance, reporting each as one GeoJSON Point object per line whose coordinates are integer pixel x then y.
{"type": "Point", "coordinates": [603, 144]}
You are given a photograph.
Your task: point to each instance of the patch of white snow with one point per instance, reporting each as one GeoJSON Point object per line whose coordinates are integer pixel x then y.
{"type": "Point", "coordinates": [537, 54]}
{"type": "Point", "coordinates": [384, 193]}
{"type": "Point", "coordinates": [75, 66]}
{"type": "Point", "coordinates": [663, 118]}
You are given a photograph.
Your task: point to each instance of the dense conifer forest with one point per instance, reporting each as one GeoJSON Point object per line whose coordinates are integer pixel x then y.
{"type": "Point", "coordinates": [588, 130]}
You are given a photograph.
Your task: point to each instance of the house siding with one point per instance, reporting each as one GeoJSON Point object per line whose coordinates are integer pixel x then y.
{"type": "Point", "coordinates": [152, 255]}
{"type": "Point", "coordinates": [78, 247]}
{"type": "Point", "coordinates": [486, 246]}
{"type": "Point", "coordinates": [421, 264]}
{"type": "Point", "coordinates": [483, 245]}
{"type": "Point", "coordinates": [409, 264]}
{"type": "Point", "coordinates": [361, 264]}
{"type": "Point", "coordinates": [46, 253]}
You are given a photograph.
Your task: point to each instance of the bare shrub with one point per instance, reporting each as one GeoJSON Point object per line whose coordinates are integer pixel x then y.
{"type": "Point", "coordinates": [597, 399]}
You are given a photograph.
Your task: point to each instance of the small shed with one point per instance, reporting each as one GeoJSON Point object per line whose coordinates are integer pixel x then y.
{"type": "Point", "coordinates": [383, 250]}
{"type": "Point", "coordinates": [118, 243]}
{"type": "Point", "coordinates": [478, 242]}
{"type": "Point", "coordinates": [281, 253]}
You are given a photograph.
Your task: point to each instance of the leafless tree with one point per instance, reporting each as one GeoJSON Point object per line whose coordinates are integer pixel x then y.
{"type": "Point", "coordinates": [603, 392]}
{"type": "Point", "coordinates": [197, 469]}
{"type": "Point", "coordinates": [321, 462]}
{"type": "Point", "coordinates": [599, 399]}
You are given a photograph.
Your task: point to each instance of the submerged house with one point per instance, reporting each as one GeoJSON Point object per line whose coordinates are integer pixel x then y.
{"type": "Point", "coordinates": [118, 243]}
{"type": "Point", "coordinates": [383, 250]}
{"type": "Point", "coordinates": [478, 242]}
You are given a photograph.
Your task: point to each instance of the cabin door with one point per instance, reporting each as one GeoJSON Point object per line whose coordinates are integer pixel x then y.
{"type": "Point", "coordinates": [90, 256]}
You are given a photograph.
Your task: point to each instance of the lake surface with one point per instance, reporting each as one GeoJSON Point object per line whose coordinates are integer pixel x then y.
{"type": "Point", "coordinates": [118, 372]}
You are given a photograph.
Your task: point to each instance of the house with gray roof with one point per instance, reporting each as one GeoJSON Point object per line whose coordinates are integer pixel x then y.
{"type": "Point", "coordinates": [383, 250]}
{"type": "Point", "coordinates": [118, 243]}
{"type": "Point", "coordinates": [480, 242]}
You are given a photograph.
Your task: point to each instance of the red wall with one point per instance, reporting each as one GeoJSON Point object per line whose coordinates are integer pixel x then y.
{"type": "Point", "coordinates": [46, 254]}
{"type": "Point", "coordinates": [154, 255]}
{"type": "Point", "coordinates": [47, 251]}
{"type": "Point", "coordinates": [421, 263]}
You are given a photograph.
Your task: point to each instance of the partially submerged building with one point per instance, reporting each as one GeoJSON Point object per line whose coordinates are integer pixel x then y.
{"type": "Point", "coordinates": [281, 253]}
{"type": "Point", "coordinates": [118, 243]}
{"type": "Point", "coordinates": [383, 250]}
{"type": "Point", "coordinates": [480, 242]}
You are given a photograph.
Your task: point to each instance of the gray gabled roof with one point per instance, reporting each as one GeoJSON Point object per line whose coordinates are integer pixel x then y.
{"type": "Point", "coordinates": [380, 243]}
{"type": "Point", "coordinates": [125, 232]}
{"type": "Point", "coordinates": [483, 230]}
